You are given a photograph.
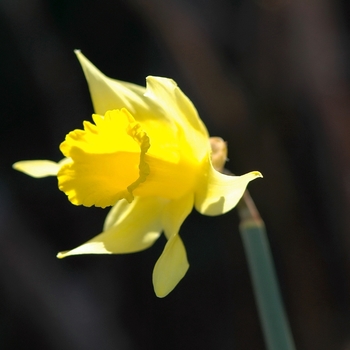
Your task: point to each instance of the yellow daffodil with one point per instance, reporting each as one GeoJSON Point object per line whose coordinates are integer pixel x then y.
{"type": "Point", "coordinates": [147, 154]}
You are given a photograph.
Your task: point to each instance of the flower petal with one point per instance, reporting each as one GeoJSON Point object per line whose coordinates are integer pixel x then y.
{"type": "Point", "coordinates": [176, 105]}
{"type": "Point", "coordinates": [219, 193]}
{"type": "Point", "coordinates": [175, 213]}
{"type": "Point", "coordinates": [108, 94]}
{"type": "Point", "coordinates": [141, 209]}
{"type": "Point", "coordinates": [172, 265]}
{"type": "Point", "coordinates": [170, 268]}
{"type": "Point", "coordinates": [164, 112]}
{"type": "Point", "coordinates": [131, 228]}
{"type": "Point", "coordinates": [39, 168]}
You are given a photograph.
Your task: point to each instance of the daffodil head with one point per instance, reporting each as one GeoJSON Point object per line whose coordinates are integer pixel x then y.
{"type": "Point", "coordinates": [148, 154]}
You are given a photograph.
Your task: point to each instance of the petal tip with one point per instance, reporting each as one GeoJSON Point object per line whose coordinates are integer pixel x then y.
{"type": "Point", "coordinates": [170, 268]}
{"type": "Point", "coordinates": [162, 290]}
{"type": "Point", "coordinates": [257, 174]}
{"type": "Point", "coordinates": [15, 166]}
{"type": "Point", "coordinates": [37, 168]}
{"type": "Point", "coordinates": [61, 255]}
{"type": "Point", "coordinates": [161, 294]}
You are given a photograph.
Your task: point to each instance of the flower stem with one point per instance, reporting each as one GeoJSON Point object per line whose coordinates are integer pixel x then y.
{"type": "Point", "coordinates": [273, 318]}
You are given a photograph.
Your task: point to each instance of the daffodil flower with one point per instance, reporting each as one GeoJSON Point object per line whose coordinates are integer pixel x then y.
{"type": "Point", "coordinates": [148, 155]}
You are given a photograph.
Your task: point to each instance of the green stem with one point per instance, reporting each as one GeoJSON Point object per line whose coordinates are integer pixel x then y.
{"type": "Point", "coordinates": [273, 318]}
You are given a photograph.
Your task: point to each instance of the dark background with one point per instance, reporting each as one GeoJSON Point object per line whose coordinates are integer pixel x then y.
{"type": "Point", "coordinates": [269, 76]}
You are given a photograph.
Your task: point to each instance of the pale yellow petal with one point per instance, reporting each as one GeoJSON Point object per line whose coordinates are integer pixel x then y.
{"type": "Point", "coordinates": [170, 268]}
{"type": "Point", "coordinates": [131, 228]}
{"type": "Point", "coordinates": [167, 179]}
{"type": "Point", "coordinates": [37, 168]}
{"type": "Point", "coordinates": [177, 106]}
{"type": "Point", "coordinates": [220, 193]}
{"type": "Point", "coordinates": [108, 94]}
{"type": "Point", "coordinates": [172, 265]}
{"type": "Point", "coordinates": [128, 211]}
{"type": "Point", "coordinates": [175, 213]}
{"type": "Point", "coordinates": [165, 113]}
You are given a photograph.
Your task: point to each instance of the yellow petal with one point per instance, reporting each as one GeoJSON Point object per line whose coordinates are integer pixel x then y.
{"type": "Point", "coordinates": [168, 179]}
{"type": "Point", "coordinates": [162, 109]}
{"type": "Point", "coordinates": [175, 214]}
{"type": "Point", "coordinates": [39, 168]}
{"type": "Point", "coordinates": [177, 106]}
{"type": "Point", "coordinates": [172, 265]}
{"type": "Point", "coordinates": [108, 94]}
{"type": "Point", "coordinates": [132, 227]}
{"type": "Point", "coordinates": [140, 209]}
{"type": "Point", "coordinates": [219, 193]}
{"type": "Point", "coordinates": [170, 268]}
{"type": "Point", "coordinates": [107, 160]}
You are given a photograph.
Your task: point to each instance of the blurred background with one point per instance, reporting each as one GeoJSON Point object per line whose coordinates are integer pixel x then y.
{"type": "Point", "coordinates": [269, 76]}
